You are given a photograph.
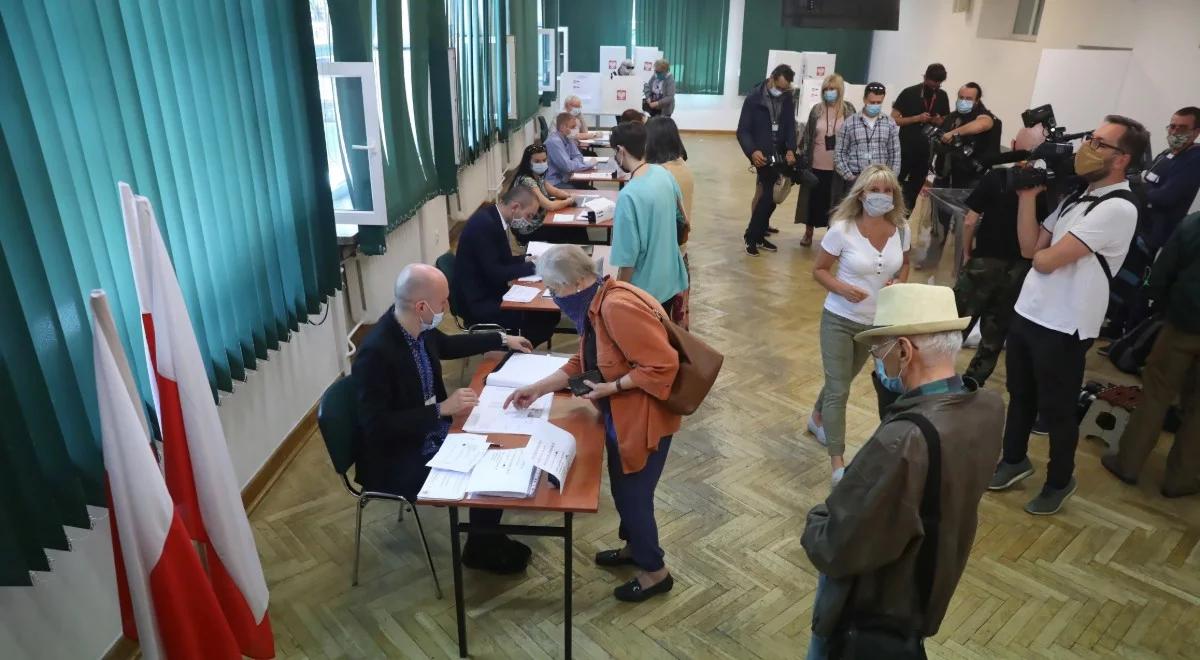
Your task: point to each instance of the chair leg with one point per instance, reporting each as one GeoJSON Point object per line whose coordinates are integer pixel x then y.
{"type": "Point", "coordinates": [362, 504]}
{"type": "Point", "coordinates": [436, 585]}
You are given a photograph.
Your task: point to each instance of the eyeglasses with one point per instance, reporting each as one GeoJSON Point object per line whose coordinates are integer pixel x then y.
{"type": "Point", "coordinates": [876, 88]}
{"type": "Point", "coordinates": [880, 351]}
{"type": "Point", "coordinates": [1097, 143]}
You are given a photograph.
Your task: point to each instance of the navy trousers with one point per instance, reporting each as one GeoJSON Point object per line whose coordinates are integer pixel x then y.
{"type": "Point", "coordinates": [633, 495]}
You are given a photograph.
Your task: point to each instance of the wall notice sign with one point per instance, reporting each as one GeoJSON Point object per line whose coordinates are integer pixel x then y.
{"type": "Point", "coordinates": [620, 95]}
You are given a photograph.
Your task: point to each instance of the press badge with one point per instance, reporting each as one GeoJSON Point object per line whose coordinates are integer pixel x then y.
{"type": "Point", "coordinates": [775, 127]}
{"type": "Point", "coordinates": [830, 142]}
{"type": "Point", "coordinates": [431, 400]}
{"type": "Point", "coordinates": [1151, 177]}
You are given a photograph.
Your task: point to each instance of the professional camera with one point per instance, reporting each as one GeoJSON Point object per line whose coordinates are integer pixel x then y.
{"type": "Point", "coordinates": [799, 175]}
{"type": "Point", "coordinates": [956, 146]}
{"type": "Point", "coordinates": [1056, 153]}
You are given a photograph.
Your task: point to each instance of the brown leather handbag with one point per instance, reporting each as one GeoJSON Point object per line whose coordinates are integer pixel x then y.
{"type": "Point", "coordinates": [699, 363]}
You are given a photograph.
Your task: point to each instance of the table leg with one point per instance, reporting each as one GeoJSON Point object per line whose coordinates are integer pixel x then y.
{"type": "Point", "coordinates": [567, 538]}
{"type": "Point", "coordinates": [459, 605]}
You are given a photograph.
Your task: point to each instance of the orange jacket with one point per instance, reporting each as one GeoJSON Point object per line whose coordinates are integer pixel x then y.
{"type": "Point", "coordinates": [630, 339]}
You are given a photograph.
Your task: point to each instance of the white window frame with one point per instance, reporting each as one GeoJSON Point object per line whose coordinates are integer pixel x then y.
{"type": "Point", "coordinates": [564, 63]}
{"type": "Point", "coordinates": [547, 61]}
{"type": "Point", "coordinates": [365, 73]}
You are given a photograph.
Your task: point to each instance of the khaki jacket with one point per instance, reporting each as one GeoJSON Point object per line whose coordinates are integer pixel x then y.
{"type": "Point", "coordinates": [866, 535]}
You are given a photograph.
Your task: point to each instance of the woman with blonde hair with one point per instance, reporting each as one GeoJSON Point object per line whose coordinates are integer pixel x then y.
{"type": "Point", "coordinates": [868, 239]}
{"type": "Point", "coordinates": [817, 145]}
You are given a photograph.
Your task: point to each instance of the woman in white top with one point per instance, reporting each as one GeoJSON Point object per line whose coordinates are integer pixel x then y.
{"type": "Point", "coordinates": [869, 241]}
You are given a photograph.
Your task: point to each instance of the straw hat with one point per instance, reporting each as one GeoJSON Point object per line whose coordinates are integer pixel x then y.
{"type": "Point", "coordinates": [914, 309]}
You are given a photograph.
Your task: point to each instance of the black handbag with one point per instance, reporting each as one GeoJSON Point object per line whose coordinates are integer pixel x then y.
{"type": "Point", "coordinates": [870, 637]}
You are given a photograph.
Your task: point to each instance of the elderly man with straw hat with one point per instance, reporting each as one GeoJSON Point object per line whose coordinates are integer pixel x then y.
{"type": "Point", "coordinates": [892, 539]}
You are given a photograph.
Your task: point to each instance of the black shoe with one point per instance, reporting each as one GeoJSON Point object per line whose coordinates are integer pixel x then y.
{"type": "Point", "coordinates": [517, 549]}
{"type": "Point", "coordinates": [494, 556]}
{"type": "Point", "coordinates": [772, 230]}
{"type": "Point", "coordinates": [1039, 427]}
{"type": "Point", "coordinates": [764, 244]}
{"type": "Point", "coordinates": [1109, 461]}
{"type": "Point", "coordinates": [1172, 493]}
{"type": "Point", "coordinates": [613, 558]}
{"type": "Point", "coordinates": [632, 591]}
{"type": "Point", "coordinates": [752, 250]}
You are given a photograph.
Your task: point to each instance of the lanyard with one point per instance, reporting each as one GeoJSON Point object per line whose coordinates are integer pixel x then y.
{"type": "Point", "coordinates": [929, 105]}
{"type": "Point", "coordinates": [829, 124]}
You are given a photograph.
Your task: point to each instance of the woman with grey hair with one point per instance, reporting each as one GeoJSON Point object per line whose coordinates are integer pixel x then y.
{"type": "Point", "coordinates": [621, 336]}
{"type": "Point", "coordinates": [659, 91]}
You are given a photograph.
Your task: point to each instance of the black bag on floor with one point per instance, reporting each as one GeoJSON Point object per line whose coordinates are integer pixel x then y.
{"type": "Point", "coordinates": [1129, 353]}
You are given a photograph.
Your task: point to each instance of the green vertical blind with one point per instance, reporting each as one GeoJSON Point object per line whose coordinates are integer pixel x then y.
{"type": "Point", "coordinates": [476, 35]}
{"type": "Point", "coordinates": [523, 25]}
{"type": "Point", "coordinates": [692, 35]}
{"type": "Point", "coordinates": [591, 25]}
{"type": "Point", "coordinates": [852, 47]}
{"type": "Point", "coordinates": [210, 109]}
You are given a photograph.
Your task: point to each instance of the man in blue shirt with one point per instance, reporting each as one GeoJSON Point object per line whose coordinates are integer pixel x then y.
{"type": "Point", "coordinates": [1173, 178]}
{"type": "Point", "coordinates": [563, 151]}
{"type": "Point", "coordinates": [649, 217]}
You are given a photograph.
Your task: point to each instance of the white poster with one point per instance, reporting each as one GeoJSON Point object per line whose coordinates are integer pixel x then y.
{"type": "Point", "coordinates": [611, 58]}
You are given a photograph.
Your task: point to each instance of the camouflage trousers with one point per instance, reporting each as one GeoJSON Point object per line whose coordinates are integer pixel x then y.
{"type": "Point", "coordinates": [987, 291]}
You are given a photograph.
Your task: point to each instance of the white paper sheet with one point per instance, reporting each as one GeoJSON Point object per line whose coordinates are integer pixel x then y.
{"type": "Point", "coordinates": [489, 416]}
{"type": "Point", "coordinates": [536, 248]}
{"type": "Point", "coordinates": [547, 294]}
{"type": "Point", "coordinates": [523, 369]}
{"type": "Point", "coordinates": [444, 485]}
{"type": "Point", "coordinates": [553, 450]}
{"type": "Point", "coordinates": [503, 473]}
{"type": "Point", "coordinates": [459, 452]}
{"type": "Point", "coordinates": [594, 160]}
{"type": "Point", "coordinates": [530, 278]}
{"type": "Point", "coordinates": [562, 217]}
{"type": "Point", "coordinates": [521, 294]}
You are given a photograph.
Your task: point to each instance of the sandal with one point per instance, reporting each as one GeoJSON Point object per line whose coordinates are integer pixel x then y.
{"type": "Point", "coordinates": [806, 241]}
{"type": "Point", "coordinates": [613, 558]}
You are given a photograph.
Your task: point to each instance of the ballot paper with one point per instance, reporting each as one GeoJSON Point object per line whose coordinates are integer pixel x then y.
{"type": "Point", "coordinates": [490, 416]}
{"type": "Point", "coordinates": [552, 450]}
{"type": "Point", "coordinates": [536, 248]}
{"type": "Point", "coordinates": [459, 452]}
{"type": "Point", "coordinates": [521, 369]}
{"type": "Point", "coordinates": [503, 473]}
{"type": "Point", "coordinates": [530, 278]}
{"type": "Point", "coordinates": [562, 217]}
{"type": "Point", "coordinates": [521, 294]}
{"type": "Point", "coordinates": [444, 485]}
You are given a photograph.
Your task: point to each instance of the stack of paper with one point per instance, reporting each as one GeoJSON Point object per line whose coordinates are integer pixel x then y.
{"type": "Point", "coordinates": [504, 473]}
{"type": "Point", "coordinates": [490, 416]}
{"type": "Point", "coordinates": [459, 452]}
{"type": "Point", "coordinates": [521, 369]}
{"type": "Point", "coordinates": [444, 485]}
{"type": "Point", "coordinates": [553, 450]}
{"type": "Point", "coordinates": [521, 294]}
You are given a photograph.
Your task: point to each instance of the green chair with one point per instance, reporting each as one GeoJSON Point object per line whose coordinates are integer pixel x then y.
{"type": "Point", "coordinates": [337, 418]}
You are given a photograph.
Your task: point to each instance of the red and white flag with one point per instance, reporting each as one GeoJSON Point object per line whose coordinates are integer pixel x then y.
{"type": "Point", "coordinates": [173, 608]}
{"type": "Point", "coordinates": [199, 472]}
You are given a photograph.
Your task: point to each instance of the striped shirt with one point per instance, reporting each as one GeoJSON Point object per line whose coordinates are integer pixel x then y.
{"type": "Point", "coordinates": [860, 144]}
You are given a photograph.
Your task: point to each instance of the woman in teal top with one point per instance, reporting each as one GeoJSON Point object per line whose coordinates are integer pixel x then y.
{"type": "Point", "coordinates": [648, 224]}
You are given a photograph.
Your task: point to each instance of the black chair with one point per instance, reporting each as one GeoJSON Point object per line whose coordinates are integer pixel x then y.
{"type": "Point", "coordinates": [543, 129]}
{"type": "Point", "coordinates": [445, 263]}
{"type": "Point", "coordinates": [337, 418]}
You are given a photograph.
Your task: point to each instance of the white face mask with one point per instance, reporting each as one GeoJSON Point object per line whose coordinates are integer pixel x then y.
{"type": "Point", "coordinates": [433, 323]}
{"type": "Point", "coordinates": [775, 91]}
{"type": "Point", "coordinates": [576, 111]}
{"type": "Point", "coordinates": [539, 168]}
{"type": "Point", "coordinates": [573, 132]}
{"type": "Point", "coordinates": [876, 204]}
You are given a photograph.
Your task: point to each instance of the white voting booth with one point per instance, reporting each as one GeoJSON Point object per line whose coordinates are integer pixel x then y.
{"type": "Point", "coordinates": [620, 93]}
{"type": "Point", "coordinates": [644, 58]}
{"type": "Point", "coordinates": [811, 69]}
{"type": "Point", "coordinates": [584, 84]}
{"type": "Point", "coordinates": [611, 58]}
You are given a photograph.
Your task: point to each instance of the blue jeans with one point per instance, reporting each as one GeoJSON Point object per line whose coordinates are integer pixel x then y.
{"type": "Point", "coordinates": [633, 495]}
{"type": "Point", "coordinates": [818, 646]}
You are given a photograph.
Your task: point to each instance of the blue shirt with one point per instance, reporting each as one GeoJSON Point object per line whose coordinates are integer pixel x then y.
{"type": "Point", "coordinates": [437, 434]}
{"type": "Point", "coordinates": [646, 236]}
{"type": "Point", "coordinates": [564, 157]}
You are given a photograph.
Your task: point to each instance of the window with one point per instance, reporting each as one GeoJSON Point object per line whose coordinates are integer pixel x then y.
{"type": "Point", "coordinates": [547, 55]}
{"type": "Point", "coordinates": [1029, 17]}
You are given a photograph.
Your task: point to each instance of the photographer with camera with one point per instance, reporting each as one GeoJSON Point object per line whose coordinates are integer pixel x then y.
{"type": "Point", "coordinates": [767, 134]}
{"type": "Point", "coordinates": [916, 107]}
{"type": "Point", "coordinates": [1062, 303]}
{"type": "Point", "coordinates": [971, 133]}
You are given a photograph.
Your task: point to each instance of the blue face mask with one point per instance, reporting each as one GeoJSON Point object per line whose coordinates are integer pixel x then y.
{"type": "Point", "coordinates": [889, 384]}
{"type": "Point", "coordinates": [872, 109]}
{"type": "Point", "coordinates": [830, 95]}
{"type": "Point", "coordinates": [964, 106]}
{"type": "Point", "coordinates": [576, 305]}
{"type": "Point", "coordinates": [660, 74]}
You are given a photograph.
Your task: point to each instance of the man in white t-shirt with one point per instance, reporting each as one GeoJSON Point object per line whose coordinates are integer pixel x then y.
{"type": "Point", "coordinates": [1075, 252]}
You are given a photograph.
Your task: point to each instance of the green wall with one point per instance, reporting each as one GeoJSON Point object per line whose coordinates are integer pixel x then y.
{"type": "Point", "coordinates": [762, 32]}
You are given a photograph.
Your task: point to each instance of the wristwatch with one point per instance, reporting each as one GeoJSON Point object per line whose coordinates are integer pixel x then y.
{"type": "Point", "coordinates": [617, 382]}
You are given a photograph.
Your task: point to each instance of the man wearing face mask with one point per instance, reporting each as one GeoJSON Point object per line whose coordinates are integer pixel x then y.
{"type": "Point", "coordinates": [484, 267]}
{"type": "Point", "coordinates": [867, 138]}
{"type": "Point", "coordinates": [975, 125]}
{"type": "Point", "coordinates": [563, 151]}
{"type": "Point", "coordinates": [1062, 303]}
{"type": "Point", "coordinates": [404, 411]}
{"type": "Point", "coordinates": [893, 538]}
{"type": "Point", "coordinates": [914, 108]}
{"type": "Point", "coordinates": [1174, 177]}
{"type": "Point", "coordinates": [767, 132]}
{"type": "Point", "coordinates": [574, 105]}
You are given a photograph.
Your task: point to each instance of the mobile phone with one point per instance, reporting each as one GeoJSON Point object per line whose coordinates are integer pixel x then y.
{"type": "Point", "coordinates": [578, 387]}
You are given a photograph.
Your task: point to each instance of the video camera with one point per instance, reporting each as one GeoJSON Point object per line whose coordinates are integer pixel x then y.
{"type": "Point", "coordinates": [799, 175]}
{"type": "Point", "coordinates": [1056, 152]}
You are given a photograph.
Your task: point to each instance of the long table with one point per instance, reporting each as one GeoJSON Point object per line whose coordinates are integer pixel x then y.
{"type": "Point", "coordinates": [543, 303]}
{"type": "Point", "coordinates": [602, 172]}
{"type": "Point", "coordinates": [581, 494]}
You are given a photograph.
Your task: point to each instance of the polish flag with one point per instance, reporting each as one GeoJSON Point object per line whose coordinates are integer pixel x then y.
{"type": "Point", "coordinates": [199, 472]}
{"type": "Point", "coordinates": [174, 611]}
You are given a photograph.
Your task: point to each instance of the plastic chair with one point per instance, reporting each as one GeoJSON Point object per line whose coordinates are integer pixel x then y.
{"type": "Point", "coordinates": [337, 418]}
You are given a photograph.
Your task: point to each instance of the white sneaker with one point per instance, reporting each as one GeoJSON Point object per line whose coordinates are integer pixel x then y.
{"type": "Point", "coordinates": [837, 475]}
{"type": "Point", "coordinates": [818, 432]}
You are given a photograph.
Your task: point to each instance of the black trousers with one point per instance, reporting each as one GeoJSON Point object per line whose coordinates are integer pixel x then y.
{"type": "Point", "coordinates": [913, 171]}
{"type": "Point", "coordinates": [760, 217]}
{"type": "Point", "coordinates": [820, 199]}
{"type": "Point", "coordinates": [1045, 371]}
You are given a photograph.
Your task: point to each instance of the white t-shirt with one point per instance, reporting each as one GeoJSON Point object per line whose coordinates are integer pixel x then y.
{"type": "Point", "coordinates": [861, 265]}
{"type": "Point", "coordinates": [1074, 297]}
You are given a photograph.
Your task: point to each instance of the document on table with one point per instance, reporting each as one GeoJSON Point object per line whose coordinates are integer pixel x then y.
{"type": "Point", "coordinates": [552, 450]}
{"type": "Point", "coordinates": [562, 217]}
{"type": "Point", "coordinates": [536, 248]}
{"type": "Point", "coordinates": [521, 369]}
{"type": "Point", "coordinates": [489, 416]}
{"type": "Point", "coordinates": [504, 473]}
{"type": "Point", "coordinates": [547, 294]}
{"type": "Point", "coordinates": [530, 278]}
{"type": "Point", "coordinates": [459, 452]}
{"type": "Point", "coordinates": [521, 294]}
{"type": "Point", "coordinates": [593, 160]}
{"type": "Point", "coordinates": [444, 485]}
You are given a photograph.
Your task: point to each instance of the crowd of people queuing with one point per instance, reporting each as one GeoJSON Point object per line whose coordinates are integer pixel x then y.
{"type": "Point", "coordinates": [892, 539]}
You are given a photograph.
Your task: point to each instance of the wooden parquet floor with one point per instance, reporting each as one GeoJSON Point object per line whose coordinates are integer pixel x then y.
{"type": "Point", "coordinates": [1116, 574]}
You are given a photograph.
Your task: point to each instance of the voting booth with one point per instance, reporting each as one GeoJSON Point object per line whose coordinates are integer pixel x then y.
{"type": "Point", "coordinates": [620, 93]}
{"type": "Point", "coordinates": [644, 58]}
{"type": "Point", "coordinates": [810, 96]}
{"type": "Point", "coordinates": [584, 84]}
{"type": "Point", "coordinates": [611, 58]}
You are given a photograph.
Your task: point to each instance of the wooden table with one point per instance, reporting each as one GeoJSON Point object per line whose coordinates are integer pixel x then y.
{"type": "Point", "coordinates": [580, 495]}
{"type": "Point", "coordinates": [601, 173]}
{"type": "Point", "coordinates": [542, 303]}
{"type": "Point", "coordinates": [579, 216]}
